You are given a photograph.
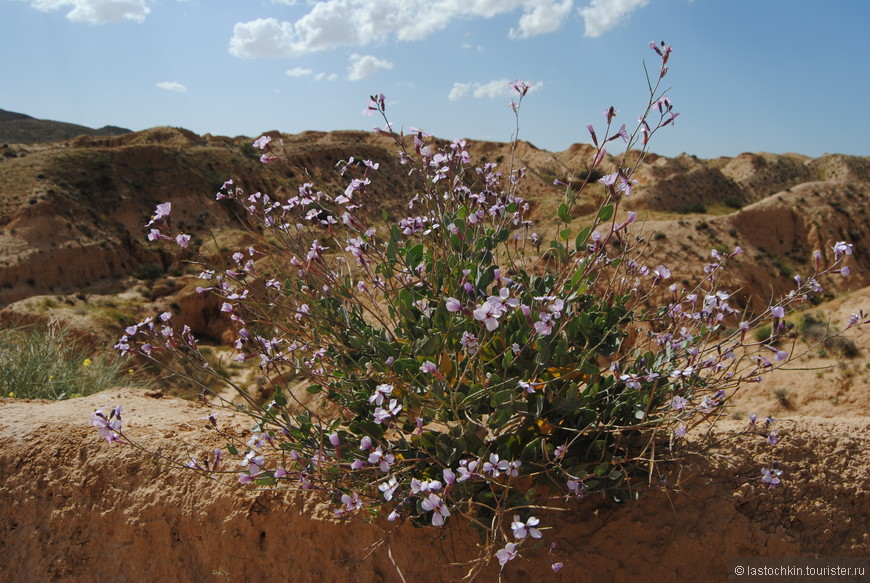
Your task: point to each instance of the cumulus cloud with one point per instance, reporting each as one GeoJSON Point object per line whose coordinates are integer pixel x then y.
{"type": "Point", "coordinates": [602, 15]}
{"type": "Point", "coordinates": [543, 18]}
{"type": "Point", "coordinates": [364, 66]}
{"type": "Point", "coordinates": [325, 77]}
{"type": "Point", "coordinates": [498, 89]}
{"type": "Point", "coordinates": [97, 11]}
{"type": "Point", "coordinates": [172, 86]}
{"type": "Point", "coordinates": [459, 91]}
{"type": "Point", "coordinates": [298, 72]}
{"type": "Point", "coordinates": [340, 23]}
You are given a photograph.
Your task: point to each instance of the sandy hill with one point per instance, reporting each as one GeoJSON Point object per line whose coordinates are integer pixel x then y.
{"type": "Point", "coordinates": [19, 128]}
{"type": "Point", "coordinates": [72, 245]}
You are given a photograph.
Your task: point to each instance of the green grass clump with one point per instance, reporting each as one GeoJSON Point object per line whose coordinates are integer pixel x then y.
{"type": "Point", "coordinates": [47, 362]}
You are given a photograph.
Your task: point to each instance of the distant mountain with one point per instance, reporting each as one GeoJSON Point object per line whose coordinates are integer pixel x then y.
{"type": "Point", "coordinates": [18, 128]}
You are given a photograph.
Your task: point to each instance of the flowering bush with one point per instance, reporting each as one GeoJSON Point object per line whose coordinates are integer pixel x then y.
{"type": "Point", "coordinates": [457, 369]}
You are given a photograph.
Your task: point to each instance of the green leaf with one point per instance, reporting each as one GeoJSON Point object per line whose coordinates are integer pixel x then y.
{"type": "Point", "coordinates": [313, 389]}
{"type": "Point", "coordinates": [606, 212]}
{"type": "Point", "coordinates": [507, 359]}
{"type": "Point", "coordinates": [501, 397]}
{"type": "Point", "coordinates": [564, 214]}
{"type": "Point", "coordinates": [565, 234]}
{"type": "Point", "coordinates": [232, 449]}
{"type": "Point", "coordinates": [414, 254]}
{"type": "Point", "coordinates": [543, 355]}
{"type": "Point", "coordinates": [583, 236]}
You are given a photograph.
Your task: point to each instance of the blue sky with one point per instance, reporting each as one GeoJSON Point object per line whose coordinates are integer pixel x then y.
{"type": "Point", "coordinates": [746, 75]}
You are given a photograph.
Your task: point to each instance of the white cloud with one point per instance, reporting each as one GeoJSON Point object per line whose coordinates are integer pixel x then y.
{"type": "Point", "coordinates": [172, 86]}
{"type": "Point", "coordinates": [364, 66]}
{"type": "Point", "coordinates": [458, 92]}
{"type": "Point", "coordinates": [543, 18]}
{"type": "Point", "coordinates": [97, 11]}
{"type": "Point", "coordinates": [341, 23]}
{"type": "Point", "coordinates": [498, 89]}
{"type": "Point", "coordinates": [325, 77]}
{"type": "Point", "coordinates": [602, 15]}
{"type": "Point", "coordinates": [298, 72]}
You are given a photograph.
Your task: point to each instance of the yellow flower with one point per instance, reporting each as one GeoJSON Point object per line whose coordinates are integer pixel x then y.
{"type": "Point", "coordinates": [50, 377]}
{"type": "Point", "coordinates": [88, 362]}
{"type": "Point", "coordinates": [11, 394]}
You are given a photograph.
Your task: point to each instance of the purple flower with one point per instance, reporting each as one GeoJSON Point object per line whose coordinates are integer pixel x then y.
{"type": "Point", "coordinates": [777, 312]}
{"type": "Point", "coordinates": [495, 466]}
{"type": "Point", "coordinates": [439, 508]}
{"type": "Point", "coordinates": [161, 212]}
{"type": "Point", "coordinates": [351, 502]}
{"type": "Point", "coordinates": [609, 180]}
{"type": "Point", "coordinates": [384, 415]}
{"type": "Point", "coordinates": [489, 313]}
{"type": "Point", "coordinates": [377, 398]}
{"type": "Point", "coordinates": [109, 427]}
{"type": "Point", "coordinates": [428, 367]}
{"type": "Point", "coordinates": [842, 248]}
{"type": "Point", "coordinates": [381, 459]}
{"type": "Point", "coordinates": [678, 403]}
{"type": "Point", "coordinates": [521, 87]}
{"type": "Point", "coordinates": [771, 477]}
{"type": "Point", "coordinates": [262, 142]}
{"type": "Point", "coordinates": [522, 529]}
{"type": "Point", "coordinates": [453, 305]}
{"type": "Point", "coordinates": [544, 325]}
{"type": "Point", "coordinates": [661, 272]}
{"type": "Point", "coordinates": [388, 488]}
{"type": "Point", "coordinates": [508, 553]}
{"type": "Point", "coordinates": [772, 439]}
{"type": "Point", "coordinates": [469, 342]}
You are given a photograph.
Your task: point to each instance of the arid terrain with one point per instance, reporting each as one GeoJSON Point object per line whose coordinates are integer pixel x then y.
{"type": "Point", "coordinates": [73, 246]}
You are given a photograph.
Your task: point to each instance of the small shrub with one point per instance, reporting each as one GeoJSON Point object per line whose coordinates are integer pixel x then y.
{"type": "Point", "coordinates": [845, 347]}
{"type": "Point", "coordinates": [148, 272]}
{"type": "Point", "coordinates": [692, 208]}
{"type": "Point", "coordinates": [452, 368]}
{"type": "Point", "coordinates": [47, 362]}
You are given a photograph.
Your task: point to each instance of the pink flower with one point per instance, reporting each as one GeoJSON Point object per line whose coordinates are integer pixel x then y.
{"type": "Point", "coordinates": [262, 142]}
